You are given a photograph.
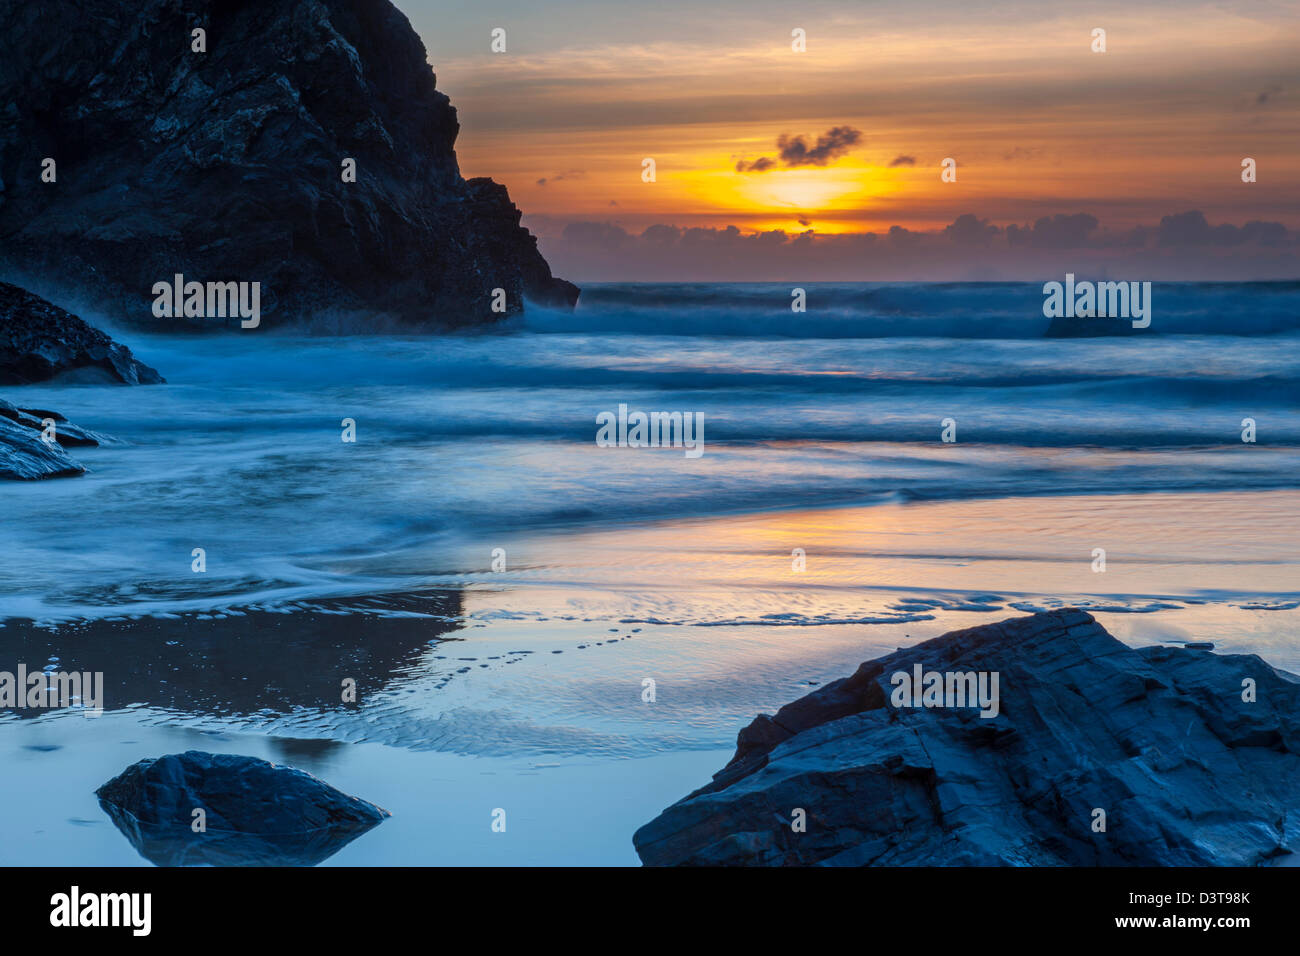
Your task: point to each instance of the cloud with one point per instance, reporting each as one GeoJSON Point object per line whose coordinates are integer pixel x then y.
{"type": "Point", "coordinates": [1054, 232]}
{"type": "Point", "coordinates": [1265, 94]}
{"type": "Point", "coordinates": [661, 233]}
{"type": "Point", "coordinates": [794, 150]}
{"type": "Point", "coordinates": [901, 237]}
{"type": "Point", "coordinates": [1256, 231]}
{"type": "Point", "coordinates": [902, 161]}
{"type": "Point", "coordinates": [968, 229]}
{"type": "Point", "coordinates": [834, 143]}
{"type": "Point", "coordinates": [1182, 247]}
{"type": "Point", "coordinates": [571, 174]}
{"type": "Point", "coordinates": [1192, 229]}
{"type": "Point", "coordinates": [698, 235]}
{"type": "Point", "coordinates": [1184, 229]}
{"type": "Point", "coordinates": [596, 233]}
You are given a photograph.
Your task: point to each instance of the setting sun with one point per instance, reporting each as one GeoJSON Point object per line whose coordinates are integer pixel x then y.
{"type": "Point", "coordinates": [789, 199]}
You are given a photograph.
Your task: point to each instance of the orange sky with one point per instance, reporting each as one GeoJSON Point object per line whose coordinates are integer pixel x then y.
{"type": "Point", "coordinates": [1037, 121]}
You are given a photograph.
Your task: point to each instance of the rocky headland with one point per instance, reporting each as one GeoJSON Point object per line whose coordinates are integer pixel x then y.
{"type": "Point", "coordinates": [230, 163]}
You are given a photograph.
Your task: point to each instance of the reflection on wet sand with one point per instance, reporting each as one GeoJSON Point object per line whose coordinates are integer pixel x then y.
{"type": "Point", "coordinates": [249, 662]}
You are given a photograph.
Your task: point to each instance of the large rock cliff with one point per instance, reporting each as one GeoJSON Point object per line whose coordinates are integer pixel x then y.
{"type": "Point", "coordinates": [226, 165]}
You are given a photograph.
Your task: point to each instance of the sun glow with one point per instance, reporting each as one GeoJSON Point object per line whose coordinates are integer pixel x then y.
{"type": "Point", "coordinates": [801, 190]}
{"type": "Point", "coordinates": [824, 198]}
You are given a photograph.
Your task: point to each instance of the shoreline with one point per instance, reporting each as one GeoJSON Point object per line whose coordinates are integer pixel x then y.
{"type": "Point", "coordinates": [524, 688]}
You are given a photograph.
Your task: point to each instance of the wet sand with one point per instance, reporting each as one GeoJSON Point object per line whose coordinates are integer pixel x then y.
{"type": "Point", "coordinates": [523, 689]}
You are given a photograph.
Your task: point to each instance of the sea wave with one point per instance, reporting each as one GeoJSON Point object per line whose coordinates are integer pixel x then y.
{"type": "Point", "coordinates": [964, 310]}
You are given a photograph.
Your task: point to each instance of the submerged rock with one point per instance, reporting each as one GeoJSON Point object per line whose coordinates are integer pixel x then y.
{"type": "Point", "coordinates": [256, 813]}
{"type": "Point", "coordinates": [39, 341]}
{"type": "Point", "coordinates": [228, 165]}
{"type": "Point", "coordinates": [1099, 755]}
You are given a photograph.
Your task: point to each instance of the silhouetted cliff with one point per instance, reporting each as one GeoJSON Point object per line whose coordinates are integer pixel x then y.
{"type": "Point", "coordinates": [226, 165]}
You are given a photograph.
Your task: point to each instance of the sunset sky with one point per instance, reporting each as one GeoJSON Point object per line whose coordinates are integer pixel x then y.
{"type": "Point", "coordinates": [1039, 124]}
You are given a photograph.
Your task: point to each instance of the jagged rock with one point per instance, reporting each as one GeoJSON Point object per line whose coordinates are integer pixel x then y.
{"type": "Point", "coordinates": [256, 813]}
{"type": "Point", "coordinates": [225, 165]}
{"type": "Point", "coordinates": [39, 341]}
{"type": "Point", "coordinates": [24, 453]}
{"type": "Point", "coordinates": [24, 456]}
{"type": "Point", "coordinates": [65, 433]}
{"type": "Point", "coordinates": [1160, 739]}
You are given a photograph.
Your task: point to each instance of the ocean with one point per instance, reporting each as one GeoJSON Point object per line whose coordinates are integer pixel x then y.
{"type": "Point", "coordinates": [502, 588]}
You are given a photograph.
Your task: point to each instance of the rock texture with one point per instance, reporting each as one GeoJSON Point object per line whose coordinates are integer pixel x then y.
{"type": "Point", "coordinates": [257, 813]}
{"type": "Point", "coordinates": [66, 434]}
{"type": "Point", "coordinates": [1160, 739]}
{"type": "Point", "coordinates": [25, 456]}
{"type": "Point", "coordinates": [39, 341]}
{"type": "Point", "coordinates": [225, 165]}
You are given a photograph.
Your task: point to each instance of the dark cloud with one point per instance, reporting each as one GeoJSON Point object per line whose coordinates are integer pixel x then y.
{"type": "Point", "coordinates": [899, 236]}
{"type": "Point", "coordinates": [661, 233]}
{"type": "Point", "coordinates": [698, 235]}
{"type": "Point", "coordinates": [596, 233]}
{"type": "Point", "coordinates": [902, 161]}
{"type": "Point", "coordinates": [1182, 247]}
{"type": "Point", "coordinates": [604, 234]}
{"type": "Point", "coordinates": [1185, 229]}
{"type": "Point", "coordinates": [968, 229]}
{"type": "Point", "coordinates": [1258, 231]}
{"type": "Point", "coordinates": [571, 174]}
{"type": "Point", "coordinates": [1054, 232]}
{"type": "Point", "coordinates": [834, 143]}
{"type": "Point", "coordinates": [1192, 229]}
{"type": "Point", "coordinates": [794, 150]}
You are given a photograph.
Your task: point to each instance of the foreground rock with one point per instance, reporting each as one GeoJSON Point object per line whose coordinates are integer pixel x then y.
{"type": "Point", "coordinates": [39, 341]}
{"type": "Point", "coordinates": [38, 419]}
{"type": "Point", "coordinates": [26, 455]}
{"type": "Point", "coordinates": [1160, 739]}
{"type": "Point", "coordinates": [257, 813]}
{"type": "Point", "coordinates": [227, 165]}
